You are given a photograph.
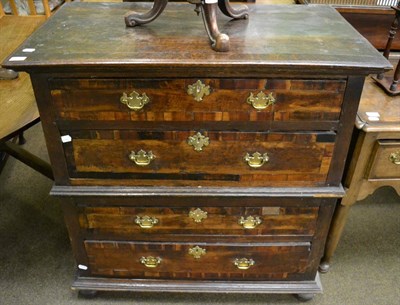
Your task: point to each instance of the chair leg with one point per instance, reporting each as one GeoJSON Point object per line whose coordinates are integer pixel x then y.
{"type": "Point", "coordinates": [21, 139]}
{"type": "Point", "coordinates": [27, 158]}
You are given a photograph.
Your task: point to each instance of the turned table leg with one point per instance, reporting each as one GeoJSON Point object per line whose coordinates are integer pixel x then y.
{"type": "Point", "coordinates": [219, 41]}
{"type": "Point", "coordinates": [335, 232]}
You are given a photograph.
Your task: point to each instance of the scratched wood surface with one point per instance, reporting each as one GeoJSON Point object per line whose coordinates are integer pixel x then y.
{"type": "Point", "coordinates": [89, 34]}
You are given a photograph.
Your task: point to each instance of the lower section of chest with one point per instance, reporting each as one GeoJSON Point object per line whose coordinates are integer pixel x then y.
{"type": "Point", "coordinates": [224, 239]}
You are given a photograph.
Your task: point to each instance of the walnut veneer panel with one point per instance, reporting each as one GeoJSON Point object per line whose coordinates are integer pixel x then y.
{"type": "Point", "coordinates": [121, 221]}
{"type": "Point", "coordinates": [295, 158]}
{"type": "Point", "coordinates": [295, 100]}
{"type": "Point", "coordinates": [271, 261]}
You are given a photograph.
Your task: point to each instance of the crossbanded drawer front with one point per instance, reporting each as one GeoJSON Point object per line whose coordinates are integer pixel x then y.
{"type": "Point", "coordinates": [222, 100]}
{"type": "Point", "coordinates": [268, 158]}
{"type": "Point", "coordinates": [267, 261]}
{"type": "Point", "coordinates": [133, 222]}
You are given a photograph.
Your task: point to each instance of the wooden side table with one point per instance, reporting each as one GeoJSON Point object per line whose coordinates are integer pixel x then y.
{"type": "Point", "coordinates": [375, 161]}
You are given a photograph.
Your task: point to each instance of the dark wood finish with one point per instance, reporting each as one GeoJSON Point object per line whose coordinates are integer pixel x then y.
{"type": "Point", "coordinates": [390, 83]}
{"type": "Point", "coordinates": [315, 72]}
{"type": "Point", "coordinates": [184, 51]}
{"type": "Point", "coordinates": [370, 165]}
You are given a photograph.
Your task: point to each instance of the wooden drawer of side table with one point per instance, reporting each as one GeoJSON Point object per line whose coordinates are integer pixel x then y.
{"type": "Point", "coordinates": [385, 160]}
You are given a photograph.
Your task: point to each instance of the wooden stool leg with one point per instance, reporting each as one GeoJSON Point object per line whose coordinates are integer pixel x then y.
{"type": "Point", "coordinates": [29, 159]}
{"type": "Point", "coordinates": [337, 226]}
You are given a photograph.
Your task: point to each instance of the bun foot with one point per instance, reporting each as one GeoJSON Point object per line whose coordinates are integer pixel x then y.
{"type": "Point", "coordinates": [304, 297]}
{"type": "Point", "coordinates": [324, 267]}
{"type": "Point", "coordinates": [221, 43]}
{"type": "Point", "coordinates": [88, 294]}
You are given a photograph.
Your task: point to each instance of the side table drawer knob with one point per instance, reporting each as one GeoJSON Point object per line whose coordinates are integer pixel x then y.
{"type": "Point", "coordinates": [150, 261]}
{"type": "Point", "coordinates": [146, 222]}
{"type": "Point", "coordinates": [256, 160]}
{"type": "Point", "coordinates": [395, 157]}
{"type": "Point", "coordinates": [243, 263]}
{"type": "Point", "coordinates": [134, 100]}
{"type": "Point", "coordinates": [142, 158]}
{"type": "Point", "coordinates": [198, 90]}
{"type": "Point", "coordinates": [261, 101]}
{"type": "Point", "coordinates": [249, 222]}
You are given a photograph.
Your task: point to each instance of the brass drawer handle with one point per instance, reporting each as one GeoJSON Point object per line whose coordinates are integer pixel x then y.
{"type": "Point", "coordinates": [261, 101]}
{"type": "Point", "coordinates": [142, 158]}
{"type": "Point", "coordinates": [243, 263]}
{"type": "Point", "coordinates": [197, 252]}
{"type": "Point", "coordinates": [198, 141]}
{"type": "Point", "coordinates": [146, 222]}
{"type": "Point", "coordinates": [134, 101]}
{"type": "Point", "coordinates": [395, 158]}
{"type": "Point", "coordinates": [198, 90]}
{"type": "Point", "coordinates": [150, 261]}
{"type": "Point", "coordinates": [256, 160]}
{"type": "Point", "coordinates": [249, 222]}
{"type": "Point", "coordinates": [198, 215]}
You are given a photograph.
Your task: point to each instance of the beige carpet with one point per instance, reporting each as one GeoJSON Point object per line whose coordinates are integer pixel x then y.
{"type": "Point", "coordinates": [36, 264]}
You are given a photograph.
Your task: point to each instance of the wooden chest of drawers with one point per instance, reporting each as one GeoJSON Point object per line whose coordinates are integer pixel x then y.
{"type": "Point", "coordinates": [183, 169]}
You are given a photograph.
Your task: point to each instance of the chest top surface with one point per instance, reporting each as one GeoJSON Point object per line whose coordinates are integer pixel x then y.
{"type": "Point", "coordinates": [275, 38]}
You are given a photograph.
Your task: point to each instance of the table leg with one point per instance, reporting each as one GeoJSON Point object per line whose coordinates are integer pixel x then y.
{"type": "Point", "coordinates": [134, 19]}
{"type": "Point", "coordinates": [335, 232]}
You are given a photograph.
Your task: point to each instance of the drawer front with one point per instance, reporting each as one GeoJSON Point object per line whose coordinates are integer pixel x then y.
{"type": "Point", "coordinates": [223, 100]}
{"type": "Point", "coordinates": [133, 222]}
{"type": "Point", "coordinates": [241, 158]}
{"type": "Point", "coordinates": [283, 261]}
{"type": "Point", "coordinates": [385, 160]}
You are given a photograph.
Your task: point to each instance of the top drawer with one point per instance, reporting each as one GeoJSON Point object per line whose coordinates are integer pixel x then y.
{"type": "Point", "coordinates": [198, 99]}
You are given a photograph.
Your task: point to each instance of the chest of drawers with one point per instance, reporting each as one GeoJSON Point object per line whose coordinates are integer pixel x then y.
{"type": "Point", "coordinates": [183, 169]}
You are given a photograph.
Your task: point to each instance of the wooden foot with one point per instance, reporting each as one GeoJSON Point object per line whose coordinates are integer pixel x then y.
{"type": "Point", "coordinates": [304, 297]}
{"type": "Point", "coordinates": [8, 74]}
{"type": "Point", "coordinates": [134, 19]}
{"type": "Point", "coordinates": [88, 294]}
{"type": "Point", "coordinates": [324, 267]}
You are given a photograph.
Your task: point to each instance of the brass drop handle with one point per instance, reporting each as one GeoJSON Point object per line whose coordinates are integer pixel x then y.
{"type": "Point", "coordinates": [256, 160]}
{"type": "Point", "coordinates": [261, 101]}
{"type": "Point", "coordinates": [134, 100]}
{"type": "Point", "coordinates": [146, 222]}
{"type": "Point", "coordinates": [198, 90]}
{"type": "Point", "coordinates": [243, 263]}
{"type": "Point", "coordinates": [395, 157]}
{"type": "Point", "coordinates": [150, 261]}
{"type": "Point", "coordinates": [250, 222]}
{"type": "Point", "coordinates": [142, 158]}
